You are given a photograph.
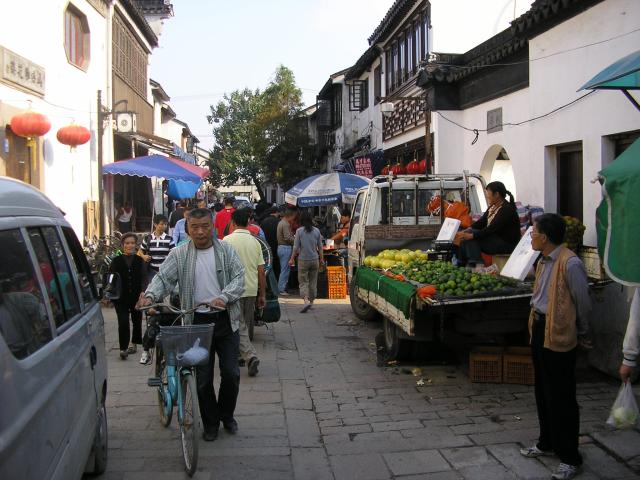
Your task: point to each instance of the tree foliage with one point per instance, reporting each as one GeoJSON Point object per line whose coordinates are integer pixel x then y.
{"type": "Point", "coordinates": [261, 136]}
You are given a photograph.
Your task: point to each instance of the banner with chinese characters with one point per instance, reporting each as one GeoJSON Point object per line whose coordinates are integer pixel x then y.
{"type": "Point", "coordinates": [363, 167]}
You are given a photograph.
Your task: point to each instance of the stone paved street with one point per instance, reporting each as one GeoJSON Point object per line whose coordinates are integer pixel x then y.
{"type": "Point", "coordinates": [321, 408]}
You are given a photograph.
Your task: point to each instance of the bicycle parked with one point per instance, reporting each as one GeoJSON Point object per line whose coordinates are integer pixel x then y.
{"type": "Point", "coordinates": [178, 350]}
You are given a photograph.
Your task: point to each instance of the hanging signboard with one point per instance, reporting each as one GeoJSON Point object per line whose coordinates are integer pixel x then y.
{"type": "Point", "coordinates": [363, 167]}
{"type": "Point", "coordinates": [522, 258]}
{"type": "Point", "coordinates": [19, 71]}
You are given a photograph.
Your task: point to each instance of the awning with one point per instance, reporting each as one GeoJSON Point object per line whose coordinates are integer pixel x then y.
{"type": "Point", "coordinates": [618, 217]}
{"type": "Point", "coordinates": [158, 166]}
{"type": "Point", "coordinates": [622, 75]}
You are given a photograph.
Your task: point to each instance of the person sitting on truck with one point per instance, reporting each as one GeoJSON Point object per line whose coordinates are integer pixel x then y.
{"type": "Point", "coordinates": [497, 232]}
{"type": "Point", "coordinates": [343, 232]}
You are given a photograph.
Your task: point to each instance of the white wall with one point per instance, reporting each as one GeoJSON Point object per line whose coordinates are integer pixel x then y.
{"type": "Point", "coordinates": [553, 82]}
{"type": "Point", "coordinates": [70, 178]}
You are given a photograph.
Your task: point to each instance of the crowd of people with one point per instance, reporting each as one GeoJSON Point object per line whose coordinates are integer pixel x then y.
{"type": "Point", "coordinates": [210, 254]}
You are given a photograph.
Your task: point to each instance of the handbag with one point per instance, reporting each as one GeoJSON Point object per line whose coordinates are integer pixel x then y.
{"type": "Point", "coordinates": [113, 288]}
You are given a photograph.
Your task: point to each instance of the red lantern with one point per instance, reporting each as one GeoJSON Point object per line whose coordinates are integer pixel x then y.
{"type": "Point", "coordinates": [413, 167]}
{"type": "Point", "coordinates": [398, 169]}
{"type": "Point", "coordinates": [385, 170]}
{"type": "Point", "coordinates": [73, 135]}
{"type": "Point", "coordinates": [422, 166]}
{"type": "Point", "coordinates": [30, 124]}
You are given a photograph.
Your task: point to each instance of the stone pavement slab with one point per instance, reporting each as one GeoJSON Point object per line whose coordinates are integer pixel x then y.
{"type": "Point", "coordinates": [321, 408]}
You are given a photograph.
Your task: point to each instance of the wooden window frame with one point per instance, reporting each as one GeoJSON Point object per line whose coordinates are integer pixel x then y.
{"type": "Point", "coordinates": [77, 37]}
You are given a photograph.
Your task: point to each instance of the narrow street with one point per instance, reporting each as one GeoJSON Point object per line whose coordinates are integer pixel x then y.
{"type": "Point", "coordinates": [321, 408]}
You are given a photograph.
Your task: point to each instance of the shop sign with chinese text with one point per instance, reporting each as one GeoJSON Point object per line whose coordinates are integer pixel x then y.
{"type": "Point", "coordinates": [19, 71]}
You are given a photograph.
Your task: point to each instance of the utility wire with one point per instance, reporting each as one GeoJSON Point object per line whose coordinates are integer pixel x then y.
{"type": "Point", "coordinates": [514, 124]}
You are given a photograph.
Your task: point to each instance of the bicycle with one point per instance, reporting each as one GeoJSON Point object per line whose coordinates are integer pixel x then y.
{"type": "Point", "coordinates": [179, 349]}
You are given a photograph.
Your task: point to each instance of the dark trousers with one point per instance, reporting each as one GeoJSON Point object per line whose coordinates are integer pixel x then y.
{"type": "Point", "coordinates": [470, 251]}
{"type": "Point", "coordinates": [555, 389]}
{"type": "Point", "coordinates": [123, 311]}
{"type": "Point", "coordinates": [226, 344]}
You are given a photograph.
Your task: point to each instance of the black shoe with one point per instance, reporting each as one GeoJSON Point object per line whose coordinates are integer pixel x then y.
{"type": "Point", "coordinates": [242, 362]}
{"type": "Point", "coordinates": [209, 435]}
{"type": "Point", "coordinates": [253, 366]}
{"type": "Point", "coordinates": [231, 426]}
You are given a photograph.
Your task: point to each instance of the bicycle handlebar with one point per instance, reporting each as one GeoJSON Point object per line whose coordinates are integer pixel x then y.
{"type": "Point", "coordinates": [179, 311]}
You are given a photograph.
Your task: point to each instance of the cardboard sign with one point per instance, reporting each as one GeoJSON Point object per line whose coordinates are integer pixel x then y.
{"type": "Point", "coordinates": [448, 230]}
{"type": "Point", "coordinates": [522, 258]}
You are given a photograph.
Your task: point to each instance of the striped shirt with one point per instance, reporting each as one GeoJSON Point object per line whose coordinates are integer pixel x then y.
{"type": "Point", "coordinates": [157, 247]}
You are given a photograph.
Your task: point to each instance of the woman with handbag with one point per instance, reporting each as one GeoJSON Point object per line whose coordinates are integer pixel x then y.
{"type": "Point", "coordinates": [307, 247]}
{"type": "Point", "coordinates": [131, 270]}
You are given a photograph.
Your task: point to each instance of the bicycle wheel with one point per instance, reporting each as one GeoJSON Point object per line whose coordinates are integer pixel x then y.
{"type": "Point", "coordinates": [190, 423]}
{"type": "Point", "coordinates": [165, 408]}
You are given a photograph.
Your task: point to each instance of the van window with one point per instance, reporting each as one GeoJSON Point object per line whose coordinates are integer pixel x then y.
{"type": "Point", "coordinates": [81, 266]}
{"type": "Point", "coordinates": [357, 211]}
{"type": "Point", "coordinates": [56, 272]}
{"type": "Point", "coordinates": [403, 202]}
{"type": "Point", "coordinates": [24, 324]}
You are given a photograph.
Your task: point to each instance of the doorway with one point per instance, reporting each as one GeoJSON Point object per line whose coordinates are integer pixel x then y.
{"type": "Point", "coordinates": [498, 167]}
{"type": "Point", "coordinates": [569, 185]}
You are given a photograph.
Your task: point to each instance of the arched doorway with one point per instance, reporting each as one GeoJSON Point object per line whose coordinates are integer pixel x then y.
{"type": "Point", "coordinates": [497, 166]}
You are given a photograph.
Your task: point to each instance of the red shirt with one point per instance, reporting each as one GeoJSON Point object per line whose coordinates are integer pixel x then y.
{"type": "Point", "coordinates": [223, 217]}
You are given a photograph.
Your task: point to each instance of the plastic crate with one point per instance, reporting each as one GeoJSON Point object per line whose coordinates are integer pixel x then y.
{"type": "Point", "coordinates": [338, 291]}
{"type": "Point", "coordinates": [517, 366]}
{"type": "Point", "coordinates": [485, 365]}
{"type": "Point", "coordinates": [336, 276]}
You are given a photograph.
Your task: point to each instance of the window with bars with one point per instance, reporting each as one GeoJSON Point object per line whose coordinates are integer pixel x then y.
{"type": "Point", "coordinates": [76, 37]}
{"type": "Point", "coordinates": [129, 58]}
{"type": "Point", "coordinates": [358, 95]}
{"type": "Point", "coordinates": [377, 84]}
{"type": "Point", "coordinates": [405, 52]}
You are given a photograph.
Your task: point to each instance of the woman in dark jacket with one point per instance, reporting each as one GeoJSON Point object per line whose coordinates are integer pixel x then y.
{"type": "Point", "coordinates": [497, 232]}
{"type": "Point", "coordinates": [131, 269]}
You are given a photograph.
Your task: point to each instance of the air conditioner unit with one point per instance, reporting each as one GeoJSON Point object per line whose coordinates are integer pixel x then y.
{"type": "Point", "coordinates": [126, 122]}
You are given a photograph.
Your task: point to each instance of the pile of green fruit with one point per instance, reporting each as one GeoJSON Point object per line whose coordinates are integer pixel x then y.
{"type": "Point", "coordinates": [450, 280]}
{"type": "Point", "coordinates": [574, 233]}
{"type": "Point", "coordinates": [388, 258]}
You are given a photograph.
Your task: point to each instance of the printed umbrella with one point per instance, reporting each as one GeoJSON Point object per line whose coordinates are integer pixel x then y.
{"type": "Point", "coordinates": [326, 189]}
{"type": "Point", "coordinates": [618, 217]}
{"type": "Point", "coordinates": [157, 166]}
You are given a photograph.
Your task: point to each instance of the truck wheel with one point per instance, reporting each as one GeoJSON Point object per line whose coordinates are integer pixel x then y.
{"type": "Point", "coordinates": [396, 347]}
{"type": "Point", "coordinates": [361, 309]}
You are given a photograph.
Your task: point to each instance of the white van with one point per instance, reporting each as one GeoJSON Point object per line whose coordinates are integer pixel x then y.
{"type": "Point", "coordinates": [53, 380]}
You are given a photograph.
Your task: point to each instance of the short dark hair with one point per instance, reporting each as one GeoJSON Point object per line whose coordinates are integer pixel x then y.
{"type": "Point", "coordinates": [345, 212]}
{"type": "Point", "coordinates": [182, 203]}
{"type": "Point", "coordinates": [201, 213]}
{"type": "Point", "coordinates": [229, 200]}
{"type": "Point", "coordinates": [128, 235]}
{"type": "Point", "coordinates": [159, 218]}
{"type": "Point", "coordinates": [553, 226]}
{"type": "Point", "coordinates": [218, 206]}
{"type": "Point", "coordinates": [241, 217]}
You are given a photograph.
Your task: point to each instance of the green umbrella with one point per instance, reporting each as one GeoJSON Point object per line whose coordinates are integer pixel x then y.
{"type": "Point", "coordinates": [618, 217]}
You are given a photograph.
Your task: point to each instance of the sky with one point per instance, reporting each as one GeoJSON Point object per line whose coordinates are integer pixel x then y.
{"type": "Point", "coordinates": [211, 47]}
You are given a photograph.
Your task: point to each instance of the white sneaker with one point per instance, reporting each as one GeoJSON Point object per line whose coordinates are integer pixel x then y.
{"type": "Point", "coordinates": [565, 472]}
{"type": "Point", "coordinates": [534, 452]}
{"type": "Point", "coordinates": [145, 359]}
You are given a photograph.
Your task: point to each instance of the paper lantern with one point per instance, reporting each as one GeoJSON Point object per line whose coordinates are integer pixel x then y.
{"type": "Point", "coordinates": [30, 124]}
{"type": "Point", "coordinates": [73, 135]}
{"type": "Point", "coordinates": [385, 170]}
{"type": "Point", "coordinates": [398, 169]}
{"type": "Point", "coordinates": [413, 167]}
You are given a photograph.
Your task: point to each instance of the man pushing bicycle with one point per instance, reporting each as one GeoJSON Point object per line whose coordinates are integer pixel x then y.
{"type": "Point", "coordinates": [208, 271]}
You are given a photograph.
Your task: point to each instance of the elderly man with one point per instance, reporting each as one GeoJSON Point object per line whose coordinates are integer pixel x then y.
{"type": "Point", "coordinates": [208, 271]}
{"type": "Point", "coordinates": [559, 308]}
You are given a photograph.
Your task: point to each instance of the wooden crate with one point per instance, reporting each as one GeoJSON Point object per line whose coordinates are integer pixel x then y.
{"type": "Point", "coordinates": [485, 365]}
{"type": "Point", "coordinates": [517, 367]}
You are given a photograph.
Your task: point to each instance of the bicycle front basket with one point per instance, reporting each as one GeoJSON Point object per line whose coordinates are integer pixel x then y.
{"type": "Point", "coordinates": [186, 345]}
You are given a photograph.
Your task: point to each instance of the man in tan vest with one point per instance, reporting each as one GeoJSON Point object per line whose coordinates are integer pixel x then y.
{"type": "Point", "coordinates": [559, 308]}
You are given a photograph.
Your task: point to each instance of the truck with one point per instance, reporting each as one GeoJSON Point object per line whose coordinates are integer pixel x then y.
{"type": "Point", "coordinates": [391, 213]}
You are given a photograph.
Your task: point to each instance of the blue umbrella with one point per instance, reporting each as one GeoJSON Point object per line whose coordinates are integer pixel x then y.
{"type": "Point", "coordinates": [326, 189]}
{"type": "Point", "coordinates": [157, 166]}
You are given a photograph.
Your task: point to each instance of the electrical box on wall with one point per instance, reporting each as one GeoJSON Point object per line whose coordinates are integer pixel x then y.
{"type": "Point", "coordinates": [126, 122]}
